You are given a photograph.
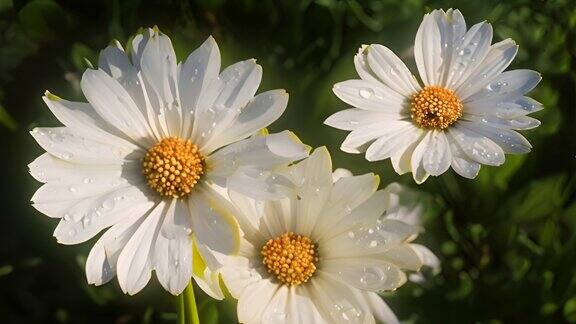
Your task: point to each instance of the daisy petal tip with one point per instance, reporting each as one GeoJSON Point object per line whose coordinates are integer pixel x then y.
{"type": "Point", "coordinates": [351, 150]}
{"type": "Point", "coordinates": [50, 96]}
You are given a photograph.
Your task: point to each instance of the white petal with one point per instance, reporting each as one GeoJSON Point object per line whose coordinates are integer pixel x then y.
{"type": "Point", "coordinates": [360, 139]}
{"type": "Point", "coordinates": [159, 69]}
{"type": "Point", "coordinates": [206, 278]}
{"type": "Point", "coordinates": [82, 117]}
{"type": "Point", "coordinates": [259, 113]}
{"type": "Point", "coordinates": [210, 284]}
{"type": "Point", "coordinates": [391, 70]}
{"type": "Point", "coordinates": [89, 216]}
{"type": "Point", "coordinates": [427, 257]}
{"type": "Point", "coordinates": [101, 262]}
{"type": "Point", "coordinates": [224, 98]}
{"type": "Point", "coordinates": [468, 54]}
{"type": "Point", "coordinates": [362, 67]}
{"type": "Point", "coordinates": [336, 301]}
{"type": "Point", "coordinates": [78, 189]}
{"type": "Point", "coordinates": [510, 141]}
{"type": "Point", "coordinates": [173, 249]}
{"type": "Point", "coordinates": [239, 273]}
{"type": "Point", "coordinates": [370, 96]}
{"type": "Point", "coordinates": [403, 204]}
{"type": "Point", "coordinates": [134, 263]}
{"type": "Point", "coordinates": [366, 214]}
{"type": "Point", "coordinates": [449, 29]}
{"type": "Point", "coordinates": [502, 107]}
{"type": "Point", "coordinates": [314, 189]}
{"type": "Point", "coordinates": [437, 157]}
{"type": "Point", "coordinates": [352, 119]}
{"type": "Point", "coordinates": [402, 156]}
{"type": "Point", "coordinates": [248, 166]}
{"type": "Point", "coordinates": [72, 146]}
{"type": "Point", "coordinates": [262, 152]}
{"type": "Point", "coordinates": [380, 310]}
{"type": "Point", "coordinates": [200, 69]}
{"type": "Point", "coordinates": [397, 138]}
{"type": "Point", "coordinates": [461, 163]}
{"type": "Point", "coordinates": [114, 61]}
{"type": "Point", "coordinates": [248, 215]}
{"type": "Point", "coordinates": [452, 28]}
{"type": "Point", "coordinates": [403, 256]}
{"type": "Point", "coordinates": [416, 161]}
{"type": "Point", "coordinates": [48, 168]}
{"type": "Point", "coordinates": [213, 221]}
{"type": "Point", "coordinates": [250, 311]}
{"type": "Point", "coordinates": [277, 309]}
{"type": "Point", "coordinates": [198, 72]}
{"type": "Point", "coordinates": [365, 274]}
{"type": "Point", "coordinates": [301, 307]}
{"type": "Point", "coordinates": [138, 44]}
{"type": "Point", "coordinates": [496, 61]}
{"type": "Point", "coordinates": [428, 50]}
{"type": "Point", "coordinates": [115, 106]}
{"type": "Point", "coordinates": [516, 123]}
{"type": "Point", "coordinates": [509, 84]}
{"type": "Point", "coordinates": [347, 194]}
{"type": "Point", "coordinates": [341, 173]}
{"type": "Point", "coordinates": [367, 239]}
{"type": "Point", "coordinates": [479, 148]}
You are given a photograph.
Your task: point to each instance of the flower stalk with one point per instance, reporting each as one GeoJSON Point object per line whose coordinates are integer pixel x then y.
{"type": "Point", "coordinates": [187, 310]}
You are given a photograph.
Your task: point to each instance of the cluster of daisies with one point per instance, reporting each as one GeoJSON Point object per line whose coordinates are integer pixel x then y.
{"type": "Point", "coordinates": [172, 161]}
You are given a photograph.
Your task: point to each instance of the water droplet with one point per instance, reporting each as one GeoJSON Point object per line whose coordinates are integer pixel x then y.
{"type": "Point", "coordinates": [88, 180]}
{"type": "Point", "coordinates": [373, 243]}
{"type": "Point", "coordinates": [351, 234]}
{"type": "Point", "coordinates": [108, 204]}
{"type": "Point", "coordinates": [66, 156]}
{"type": "Point", "coordinates": [366, 93]}
{"type": "Point", "coordinates": [72, 189]}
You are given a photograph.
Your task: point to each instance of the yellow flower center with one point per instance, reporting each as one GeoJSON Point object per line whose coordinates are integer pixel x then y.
{"type": "Point", "coordinates": [173, 166]}
{"type": "Point", "coordinates": [435, 107]}
{"type": "Point", "coordinates": [291, 258]}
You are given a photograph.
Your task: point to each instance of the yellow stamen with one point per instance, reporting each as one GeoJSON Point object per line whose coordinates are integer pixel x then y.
{"type": "Point", "coordinates": [291, 258]}
{"type": "Point", "coordinates": [435, 107]}
{"type": "Point", "coordinates": [173, 166]}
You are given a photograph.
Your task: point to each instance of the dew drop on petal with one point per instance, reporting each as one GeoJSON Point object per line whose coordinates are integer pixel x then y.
{"type": "Point", "coordinates": [366, 93]}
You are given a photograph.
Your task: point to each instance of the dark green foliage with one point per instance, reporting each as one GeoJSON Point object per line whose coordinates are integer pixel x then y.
{"type": "Point", "coordinates": [507, 240]}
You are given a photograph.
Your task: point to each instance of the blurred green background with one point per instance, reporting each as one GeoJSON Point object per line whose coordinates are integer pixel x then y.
{"type": "Point", "coordinates": [507, 240]}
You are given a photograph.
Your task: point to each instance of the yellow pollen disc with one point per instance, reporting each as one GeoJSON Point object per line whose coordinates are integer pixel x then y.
{"type": "Point", "coordinates": [435, 107]}
{"type": "Point", "coordinates": [173, 166]}
{"type": "Point", "coordinates": [291, 258]}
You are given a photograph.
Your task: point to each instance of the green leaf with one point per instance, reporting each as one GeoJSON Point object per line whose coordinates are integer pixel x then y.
{"type": "Point", "coordinates": [538, 200]}
{"type": "Point", "coordinates": [570, 310]}
{"type": "Point", "coordinates": [43, 19]}
{"type": "Point", "coordinates": [6, 120]}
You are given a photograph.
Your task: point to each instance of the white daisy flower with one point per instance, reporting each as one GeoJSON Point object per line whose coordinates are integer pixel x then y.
{"type": "Point", "coordinates": [321, 254]}
{"type": "Point", "coordinates": [464, 114]}
{"type": "Point", "coordinates": [142, 156]}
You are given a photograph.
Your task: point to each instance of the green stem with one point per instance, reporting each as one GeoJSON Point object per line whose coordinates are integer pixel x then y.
{"type": "Point", "coordinates": [190, 305]}
{"type": "Point", "coordinates": [180, 306]}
